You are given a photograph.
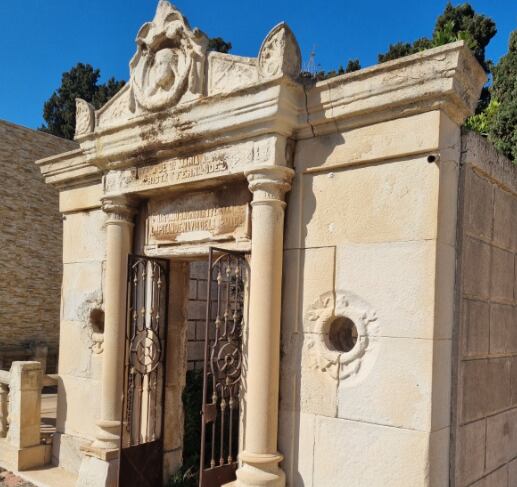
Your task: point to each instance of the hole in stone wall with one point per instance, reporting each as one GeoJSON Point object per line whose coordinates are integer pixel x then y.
{"type": "Point", "coordinates": [97, 320]}
{"type": "Point", "coordinates": [342, 334]}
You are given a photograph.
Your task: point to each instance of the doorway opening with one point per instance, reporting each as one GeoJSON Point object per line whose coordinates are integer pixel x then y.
{"type": "Point", "coordinates": [215, 306]}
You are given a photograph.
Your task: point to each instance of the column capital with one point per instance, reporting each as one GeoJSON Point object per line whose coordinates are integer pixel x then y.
{"type": "Point", "coordinates": [269, 182]}
{"type": "Point", "coordinates": [120, 209]}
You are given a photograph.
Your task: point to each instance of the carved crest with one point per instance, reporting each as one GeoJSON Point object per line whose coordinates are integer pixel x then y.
{"type": "Point", "coordinates": [84, 117]}
{"type": "Point", "coordinates": [169, 62]}
{"type": "Point", "coordinates": [279, 53]}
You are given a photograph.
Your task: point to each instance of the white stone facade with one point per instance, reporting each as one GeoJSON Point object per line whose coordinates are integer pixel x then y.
{"type": "Point", "coordinates": [205, 149]}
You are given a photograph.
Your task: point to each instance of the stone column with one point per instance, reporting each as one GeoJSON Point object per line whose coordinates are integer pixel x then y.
{"type": "Point", "coordinates": [260, 456]}
{"type": "Point", "coordinates": [119, 231]}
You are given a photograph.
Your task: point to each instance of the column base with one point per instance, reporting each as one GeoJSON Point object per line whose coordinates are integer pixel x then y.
{"type": "Point", "coordinates": [95, 472]}
{"type": "Point", "coordinates": [108, 435]}
{"type": "Point", "coordinates": [260, 471]}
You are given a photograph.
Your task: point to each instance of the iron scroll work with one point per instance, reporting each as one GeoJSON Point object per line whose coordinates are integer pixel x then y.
{"type": "Point", "coordinates": [223, 366]}
{"type": "Point", "coordinates": [141, 438]}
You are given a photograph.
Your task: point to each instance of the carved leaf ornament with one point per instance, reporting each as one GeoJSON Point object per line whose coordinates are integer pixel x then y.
{"type": "Point", "coordinates": [323, 311]}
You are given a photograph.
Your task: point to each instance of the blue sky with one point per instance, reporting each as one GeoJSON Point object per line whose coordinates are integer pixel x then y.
{"type": "Point", "coordinates": [42, 38]}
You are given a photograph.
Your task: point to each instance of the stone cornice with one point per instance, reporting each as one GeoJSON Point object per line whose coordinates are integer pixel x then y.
{"type": "Point", "coordinates": [447, 78]}
{"type": "Point", "coordinates": [69, 169]}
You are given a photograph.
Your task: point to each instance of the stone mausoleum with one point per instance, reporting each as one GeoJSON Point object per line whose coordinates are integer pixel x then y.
{"type": "Point", "coordinates": [336, 259]}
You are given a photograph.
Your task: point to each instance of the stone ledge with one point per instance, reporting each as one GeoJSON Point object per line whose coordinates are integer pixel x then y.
{"type": "Point", "coordinates": [25, 458]}
{"type": "Point", "coordinates": [483, 156]}
{"type": "Point", "coordinates": [102, 454]}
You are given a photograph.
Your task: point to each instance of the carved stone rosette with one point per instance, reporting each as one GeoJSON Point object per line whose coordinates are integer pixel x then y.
{"type": "Point", "coordinates": [169, 61]}
{"type": "Point", "coordinates": [323, 311]}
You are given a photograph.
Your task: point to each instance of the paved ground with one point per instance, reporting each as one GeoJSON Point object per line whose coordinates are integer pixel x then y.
{"type": "Point", "coordinates": [7, 479]}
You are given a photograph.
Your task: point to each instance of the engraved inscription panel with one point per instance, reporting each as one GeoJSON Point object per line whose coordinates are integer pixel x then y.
{"type": "Point", "coordinates": [217, 215]}
{"type": "Point", "coordinates": [211, 164]}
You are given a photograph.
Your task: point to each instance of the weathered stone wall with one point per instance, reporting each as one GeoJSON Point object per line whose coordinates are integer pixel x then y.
{"type": "Point", "coordinates": [30, 244]}
{"type": "Point", "coordinates": [373, 242]}
{"type": "Point", "coordinates": [485, 417]}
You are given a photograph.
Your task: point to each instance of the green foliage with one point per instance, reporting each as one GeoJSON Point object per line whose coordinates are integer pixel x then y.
{"type": "Point", "coordinates": [188, 475]}
{"type": "Point", "coordinates": [503, 129]}
{"type": "Point", "coordinates": [455, 23]}
{"type": "Point", "coordinates": [353, 65]}
{"type": "Point", "coordinates": [462, 22]}
{"type": "Point", "coordinates": [218, 44]}
{"type": "Point", "coordinates": [395, 51]}
{"type": "Point", "coordinates": [483, 121]}
{"type": "Point", "coordinates": [80, 82]}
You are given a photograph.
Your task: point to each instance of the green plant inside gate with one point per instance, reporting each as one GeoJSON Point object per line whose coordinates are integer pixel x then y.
{"type": "Point", "coordinates": [188, 474]}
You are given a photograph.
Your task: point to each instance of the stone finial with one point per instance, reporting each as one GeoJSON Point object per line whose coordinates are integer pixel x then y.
{"type": "Point", "coordinates": [170, 60]}
{"type": "Point", "coordinates": [84, 117]}
{"type": "Point", "coordinates": [279, 54]}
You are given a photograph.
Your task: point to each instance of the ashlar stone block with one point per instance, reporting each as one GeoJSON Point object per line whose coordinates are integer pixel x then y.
{"type": "Point", "coordinates": [501, 439]}
{"type": "Point", "coordinates": [502, 275]}
{"type": "Point", "coordinates": [296, 439]}
{"type": "Point", "coordinates": [82, 290]}
{"type": "Point", "coordinates": [505, 231]}
{"type": "Point", "coordinates": [84, 236]}
{"type": "Point", "coordinates": [479, 204]}
{"type": "Point", "coordinates": [397, 279]}
{"type": "Point", "coordinates": [473, 387]}
{"type": "Point", "coordinates": [503, 329]}
{"type": "Point", "coordinates": [381, 203]}
{"type": "Point", "coordinates": [476, 328]}
{"type": "Point", "coordinates": [370, 455]}
{"type": "Point", "coordinates": [476, 268]}
{"type": "Point", "coordinates": [401, 389]}
{"type": "Point", "coordinates": [498, 377]}
{"type": "Point", "coordinates": [499, 478]}
{"type": "Point", "coordinates": [471, 452]}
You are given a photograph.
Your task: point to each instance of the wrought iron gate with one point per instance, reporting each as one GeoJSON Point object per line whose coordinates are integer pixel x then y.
{"type": "Point", "coordinates": [141, 439]}
{"type": "Point", "coordinates": [225, 315]}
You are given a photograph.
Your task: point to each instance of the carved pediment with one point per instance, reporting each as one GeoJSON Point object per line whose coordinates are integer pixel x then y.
{"type": "Point", "coordinates": [172, 66]}
{"type": "Point", "coordinates": [170, 60]}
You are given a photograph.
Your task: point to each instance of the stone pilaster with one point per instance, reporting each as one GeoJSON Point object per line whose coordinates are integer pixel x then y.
{"type": "Point", "coordinates": [260, 456]}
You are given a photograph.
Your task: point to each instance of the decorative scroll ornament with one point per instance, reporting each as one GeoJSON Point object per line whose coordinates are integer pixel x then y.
{"type": "Point", "coordinates": [169, 61]}
{"type": "Point", "coordinates": [84, 117]}
{"type": "Point", "coordinates": [318, 319]}
{"type": "Point", "coordinates": [279, 54]}
{"type": "Point", "coordinates": [97, 346]}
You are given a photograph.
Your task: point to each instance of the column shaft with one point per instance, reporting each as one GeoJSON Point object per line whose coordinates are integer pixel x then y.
{"type": "Point", "coordinates": [119, 230]}
{"type": "Point", "coordinates": [260, 456]}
